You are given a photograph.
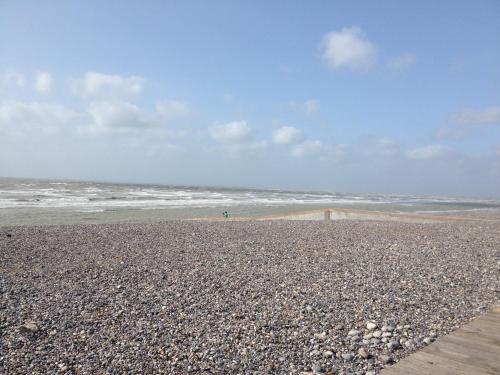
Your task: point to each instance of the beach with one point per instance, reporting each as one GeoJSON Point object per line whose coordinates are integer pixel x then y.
{"type": "Point", "coordinates": [270, 296]}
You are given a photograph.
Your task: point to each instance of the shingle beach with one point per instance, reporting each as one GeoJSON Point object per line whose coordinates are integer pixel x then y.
{"type": "Point", "coordinates": [269, 297]}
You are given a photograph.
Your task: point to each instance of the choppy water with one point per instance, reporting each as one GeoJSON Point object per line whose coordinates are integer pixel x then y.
{"type": "Point", "coordinates": [41, 201]}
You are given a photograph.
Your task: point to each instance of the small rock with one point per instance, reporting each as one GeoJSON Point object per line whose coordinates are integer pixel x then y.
{"type": "Point", "coordinates": [371, 326]}
{"type": "Point", "coordinates": [427, 340]}
{"type": "Point", "coordinates": [385, 358]}
{"type": "Point", "coordinates": [409, 343]}
{"type": "Point", "coordinates": [387, 328]}
{"type": "Point", "coordinates": [370, 373]}
{"type": "Point", "coordinates": [30, 327]}
{"type": "Point", "coordinates": [354, 332]}
{"type": "Point", "coordinates": [368, 336]}
{"type": "Point", "coordinates": [317, 369]}
{"type": "Point", "coordinates": [348, 357]}
{"type": "Point", "coordinates": [363, 353]}
{"type": "Point", "coordinates": [386, 334]}
{"type": "Point", "coordinates": [314, 353]}
{"type": "Point", "coordinates": [393, 345]}
{"type": "Point", "coordinates": [328, 354]}
{"type": "Point", "coordinates": [320, 336]}
{"type": "Point", "coordinates": [355, 338]}
{"type": "Point", "coordinates": [375, 341]}
{"type": "Point", "coordinates": [377, 334]}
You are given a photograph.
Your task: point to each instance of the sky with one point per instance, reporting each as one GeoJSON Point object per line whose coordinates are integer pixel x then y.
{"type": "Point", "coordinates": [345, 96]}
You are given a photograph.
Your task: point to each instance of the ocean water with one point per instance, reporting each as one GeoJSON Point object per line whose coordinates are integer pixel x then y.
{"type": "Point", "coordinates": [27, 201]}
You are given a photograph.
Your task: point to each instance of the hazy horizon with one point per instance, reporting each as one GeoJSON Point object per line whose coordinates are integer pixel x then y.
{"type": "Point", "coordinates": [351, 97]}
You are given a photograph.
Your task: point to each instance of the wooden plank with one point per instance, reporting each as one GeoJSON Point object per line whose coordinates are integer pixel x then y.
{"type": "Point", "coordinates": [473, 349]}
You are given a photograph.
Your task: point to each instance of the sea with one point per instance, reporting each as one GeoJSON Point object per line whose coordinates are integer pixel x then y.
{"type": "Point", "coordinates": [40, 202]}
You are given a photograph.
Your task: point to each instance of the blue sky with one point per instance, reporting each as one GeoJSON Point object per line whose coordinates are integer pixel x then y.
{"type": "Point", "coordinates": [353, 96]}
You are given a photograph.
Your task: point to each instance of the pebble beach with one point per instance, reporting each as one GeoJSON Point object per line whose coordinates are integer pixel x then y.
{"type": "Point", "coordinates": [257, 297]}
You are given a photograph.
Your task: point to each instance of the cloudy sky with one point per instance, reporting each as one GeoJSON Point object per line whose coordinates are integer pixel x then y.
{"type": "Point", "coordinates": [354, 96]}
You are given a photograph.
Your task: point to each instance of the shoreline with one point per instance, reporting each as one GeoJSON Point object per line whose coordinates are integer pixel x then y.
{"type": "Point", "coordinates": [39, 217]}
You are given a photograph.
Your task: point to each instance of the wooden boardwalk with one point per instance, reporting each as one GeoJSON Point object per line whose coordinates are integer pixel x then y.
{"type": "Point", "coordinates": [473, 349]}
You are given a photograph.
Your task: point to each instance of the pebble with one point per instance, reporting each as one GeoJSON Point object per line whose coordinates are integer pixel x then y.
{"type": "Point", "coordinates": [317, 369]}
{"type": "Point", "coordinates": [354, 332]}
{"type": "Point", "coordinates": [247, 297]}
{"type": "Point", "coordinates": [320, 336]}
{"type": "Point", "coordinates": [348, 357]}
{"type": "Point", "coordinates": [385, 358]}
{"type": "Point", "coordinates": [363, 353]}
{"type": "Point", "coordinates": [393, 345]}
{"type": "Point", "coordinates": [328, 354]}
{"type": "Point", "coordinates": [409, 343]}
{"type": "Point", "coordinates": [387, 328]}
{"type": "Point", "coordinates": [371, 326]}
{"type": "Point", "coordinates": [29, 327]}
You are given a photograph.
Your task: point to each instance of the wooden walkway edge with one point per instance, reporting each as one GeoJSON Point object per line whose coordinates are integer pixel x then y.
{"type": "Point", "coordinates": [472, 349]}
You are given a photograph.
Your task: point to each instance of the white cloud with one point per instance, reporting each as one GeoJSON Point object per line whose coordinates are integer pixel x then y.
{"type": "Point", "coordinates": [308, 107]}
{"type": "Point", "coordinates": [287, 135]}
{"type": "Point", "coordinates": [402, 61]}
{"type": "Point", "coordinates": [116, 117]}
{"type": "Point", "coordinates": [457, 132]}
{"type": "Point", "coordinates": [13, 78]}
{"type": "Point", "coordinates": [18, 118]}
{"type": "Point", "coordinates": [250, 149]}
{"type": "Point", "coordinates": [476, 116]}
{"type": "Point", "coordinates": [382, 146]}
{"type": "Point", "coordinates": [429, 152]}
{"type": "Point", "coordinates": [468, 123]}
{"type": "Point", "coordinates": [173, 109]}
{"type": "Point", "coordinates": [43, 82]}
{"type": "Point", "coordinates": [94, 84]}
{"type": "Point", "coordinates": [348, 48]}
{"type": "Point", "coordinates": [235, 131]}
{"type": "Point", "coordinates": [311, 106]}
{"type": "Point", "coordinates": [315, 148]}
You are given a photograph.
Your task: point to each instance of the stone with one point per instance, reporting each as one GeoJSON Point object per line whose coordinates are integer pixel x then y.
{"type": "Point", "coordinates": [371, 326]}
{"type": "Point", "coordinates": [387, 328]}
{"type": "Point", "coordinates": [427, 340]}
{"type": "Point", "coordinates": [409, 343]}
{"type": "Point", "coordinates": [386, 334]}
{"type": "Point", "coordinates": [355, 338]}
{"type": "Point", "coordinates": [348, 357]}
{"type": "Point", "coordinates": [368, 336]}
{"type": "Point", "coordinates": [377, 334]}
{"type": "Point", "coordinates": [317, 369]}
{"type": "Point", "coordinates": [363, 353]}
{"type": "Point", "coordinates": [320, 336]}
{"type": "Point", "coordinates": [393, 345]}
{"type": "Point", "coordinates": [29, 327]}
{"type": "Point", "coordinates": [354, 332]}
{"type": "Point", "coordinates": [328, 354]}
{"type": "Point", "coordinates": [314, 353]}
{"type": "Point", "coordinates": [385, 358]}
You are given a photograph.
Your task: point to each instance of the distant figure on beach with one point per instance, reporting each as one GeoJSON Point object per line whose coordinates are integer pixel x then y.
{"type": "Point", "coordinates": [225, 214]}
